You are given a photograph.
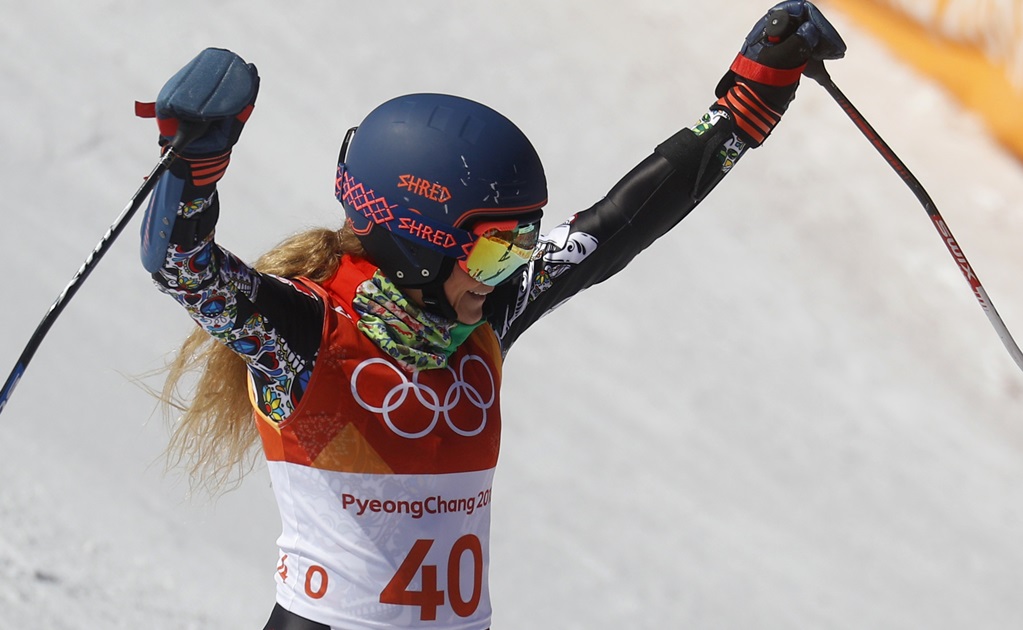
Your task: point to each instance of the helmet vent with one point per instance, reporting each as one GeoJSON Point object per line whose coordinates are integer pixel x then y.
{"type": "Point", "coordinates": [471, 130]}
{"type": "Point", "coordinates": [440, 118]}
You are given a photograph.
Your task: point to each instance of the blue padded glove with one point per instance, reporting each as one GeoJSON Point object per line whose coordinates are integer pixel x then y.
{"type": "Point", "coordinates": [205, 104]}
{"type": "Point", "coordinates": [762, 81]}
{"type": "Point", "coordinates": [200, 111]}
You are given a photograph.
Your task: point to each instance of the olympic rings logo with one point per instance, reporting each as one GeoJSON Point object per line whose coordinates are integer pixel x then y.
{"type": "Point", "coordinates": [396, 397]}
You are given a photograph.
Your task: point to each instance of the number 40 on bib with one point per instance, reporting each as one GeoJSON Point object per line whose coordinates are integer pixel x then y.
{"type": "Point", "coordinates": [431, 596]}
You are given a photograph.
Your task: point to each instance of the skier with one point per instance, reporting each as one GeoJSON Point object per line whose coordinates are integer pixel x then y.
{"type": "Point", "coordinates": [370, 356]}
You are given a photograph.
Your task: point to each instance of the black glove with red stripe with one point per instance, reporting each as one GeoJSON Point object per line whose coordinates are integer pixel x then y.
{"type": "Point", "coordinates": [762, 80]}
{"type": "Point", "coordinates": [208, 101]}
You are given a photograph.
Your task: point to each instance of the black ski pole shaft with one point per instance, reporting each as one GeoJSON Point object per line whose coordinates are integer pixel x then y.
{"type": "Point", "coordinates": [188, 132]}
{"type": "Point", "coordinates": [76, 282]}
{"type": "Point", "coordinates": [816, 71]}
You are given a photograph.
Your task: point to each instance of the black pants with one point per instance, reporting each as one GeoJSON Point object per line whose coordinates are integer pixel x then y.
{"type": "Point", "coordinates": [281, 619]}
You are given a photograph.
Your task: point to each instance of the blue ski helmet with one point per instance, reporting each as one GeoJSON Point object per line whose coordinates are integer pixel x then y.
{"type": "Point", "coordinates": [421, 169]}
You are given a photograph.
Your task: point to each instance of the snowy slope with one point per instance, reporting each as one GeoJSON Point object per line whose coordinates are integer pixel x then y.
{"type": "Point", "coordinates": [790, 412]}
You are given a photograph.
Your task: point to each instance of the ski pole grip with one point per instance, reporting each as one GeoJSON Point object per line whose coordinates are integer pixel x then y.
{"type": "Point", "coordinates": [815, 70]}
{"type": "Point", "coordinates": [188, 132]}
{"type": "Point", "coordinates": [777, 25]}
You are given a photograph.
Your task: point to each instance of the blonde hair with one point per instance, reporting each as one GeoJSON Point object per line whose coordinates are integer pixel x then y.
{"type": "Point", "coordinates": [215, 432]}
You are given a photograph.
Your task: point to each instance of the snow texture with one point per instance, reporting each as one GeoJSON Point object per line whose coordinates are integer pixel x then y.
{"type": "Point", "coordinates": [789, 413]}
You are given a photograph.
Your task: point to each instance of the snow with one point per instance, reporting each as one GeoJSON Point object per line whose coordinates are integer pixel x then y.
{"type": "Point", "coordinates": [789, 412]}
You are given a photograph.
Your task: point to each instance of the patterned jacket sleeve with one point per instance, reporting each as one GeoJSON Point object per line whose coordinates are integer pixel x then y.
{"type": "Point", "coordinates": [272, 324]}
{"type": "Point", "coordinates": [597, 243]}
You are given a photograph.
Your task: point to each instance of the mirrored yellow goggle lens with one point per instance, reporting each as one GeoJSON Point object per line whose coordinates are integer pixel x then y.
{"type": "Point", "coordinates": [498, 254]}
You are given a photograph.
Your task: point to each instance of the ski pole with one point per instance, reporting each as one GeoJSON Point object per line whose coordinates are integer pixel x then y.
{"type": "Point", "coordinates": [815, 70]}
{"type": "Point", "coordinates": [186, 134]}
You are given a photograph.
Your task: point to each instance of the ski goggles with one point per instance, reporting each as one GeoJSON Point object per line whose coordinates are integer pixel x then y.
{"type": "Point", "coordinates": [500, 249]}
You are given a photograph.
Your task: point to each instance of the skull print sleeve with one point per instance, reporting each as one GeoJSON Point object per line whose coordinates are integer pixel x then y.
{"type": "Point", "coordinates": [271, 323]}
